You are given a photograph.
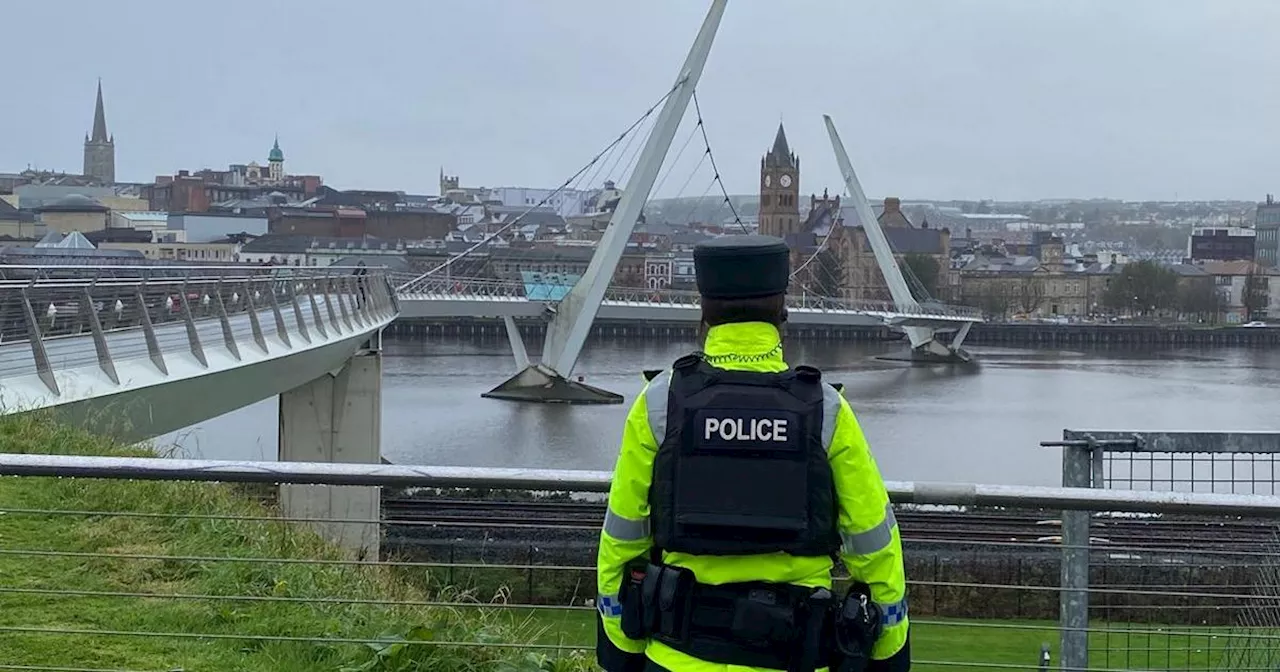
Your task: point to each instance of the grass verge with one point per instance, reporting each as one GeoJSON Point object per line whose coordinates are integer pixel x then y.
{"type": "Point", "coordinates": [249, 616]}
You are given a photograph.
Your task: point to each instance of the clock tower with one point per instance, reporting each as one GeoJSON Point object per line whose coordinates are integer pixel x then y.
{"type": "Point", "coordinates": [779, 189]}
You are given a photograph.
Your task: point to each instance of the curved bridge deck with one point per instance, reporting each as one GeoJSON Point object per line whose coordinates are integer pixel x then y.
{"type": "Point", "coordinates": [148, 350]}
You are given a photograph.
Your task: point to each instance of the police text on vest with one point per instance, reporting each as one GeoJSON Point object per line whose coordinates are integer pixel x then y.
{"type": "Point", "coordinates": [747, 429]}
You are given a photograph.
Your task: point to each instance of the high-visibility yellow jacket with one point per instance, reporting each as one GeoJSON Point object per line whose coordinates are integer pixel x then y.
{"type": "Point", "coordinates": [872, 548]}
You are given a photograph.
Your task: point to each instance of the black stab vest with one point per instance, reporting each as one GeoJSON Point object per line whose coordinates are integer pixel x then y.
{"type": "Point", "coordinates": [742, 469]}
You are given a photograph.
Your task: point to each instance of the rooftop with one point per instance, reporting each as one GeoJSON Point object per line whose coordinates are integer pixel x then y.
{"type": "Point", "coordinates": [73, 203]}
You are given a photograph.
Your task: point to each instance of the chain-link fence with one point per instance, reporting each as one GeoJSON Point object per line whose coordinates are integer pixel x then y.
{"type": "Point", "coordinates": [1233, 555]}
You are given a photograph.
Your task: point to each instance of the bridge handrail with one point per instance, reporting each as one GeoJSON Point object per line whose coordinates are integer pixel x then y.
{"type": "Point", "coordinates": [484, 288]}
{"type": "Point", "coordinates": [40, 305]}
{"type": "Point", "coordinates": [499, 478]}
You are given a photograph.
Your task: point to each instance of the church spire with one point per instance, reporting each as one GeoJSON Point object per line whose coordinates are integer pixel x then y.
{"type": "Point", "coordinates": [99, 119]}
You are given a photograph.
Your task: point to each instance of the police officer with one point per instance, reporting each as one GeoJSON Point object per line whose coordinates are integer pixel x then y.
{"type": "Point", "coordinates": [738, 483]}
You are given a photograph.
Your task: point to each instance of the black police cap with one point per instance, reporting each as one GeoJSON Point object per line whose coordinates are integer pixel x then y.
{"type": "Point", "coordinates": [742, 267]}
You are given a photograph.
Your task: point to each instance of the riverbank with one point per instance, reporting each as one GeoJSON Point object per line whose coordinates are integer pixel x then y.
{"type": "Point", "coordinates": [1101, 334]}
{"type": "Point", "coordinates": [535, 329]}
{"type": "Point", "coordinates": [97, 591]}
{"type": "Point", "coordinates": [1032, 334]}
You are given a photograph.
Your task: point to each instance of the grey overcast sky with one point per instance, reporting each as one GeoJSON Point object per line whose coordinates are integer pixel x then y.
{"type": "Point", "coordinates": [1005, 99]}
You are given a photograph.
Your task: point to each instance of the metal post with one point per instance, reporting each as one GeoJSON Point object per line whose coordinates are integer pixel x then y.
{"type": "Point", "coordinates": [228, 336]}
{"type": "Point", "coordinates": [281, 330]}
{"type": "Point", "coordinates": [1074, 594]}
{"type": "Point", "coordinates": [315, 308]}
{"type": "Point", "coordinates": [100, 339]}
{"type": "Point", "coordinates": [149, 331]}
{"type": "Point", "coordinates": [342, 305]}
{"type": "Point", "coordinates": [328, 304]}
{"type": "Point", "coordinates": [43, 369]}
{"type": "Point", "coordinates": [297, 311]}
{"type": "Point", "coordinates": [193, 335]}
{"type": "Point", "coordinates": [517, 343]}
{"type": "Point", "coordinates": [253, 317]}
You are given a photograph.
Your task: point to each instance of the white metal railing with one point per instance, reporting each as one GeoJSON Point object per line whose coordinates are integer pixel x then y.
{"type": "Point", "coordinates": [443, 288]}
{"type": "Point", "coordinates": [41, 306]}
{"type": "Point", "coordinates": [404, 476]}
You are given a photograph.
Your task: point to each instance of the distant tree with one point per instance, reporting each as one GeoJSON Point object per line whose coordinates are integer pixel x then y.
{"type": "Point", "coordinates": [993, 298]}
{"type": "Point", "coordinates": [1142, 288]}
{"type": "Point", "coordinates": [1029, 294]}
{"type": "Point", "coordinates": [1255, 295]}
{"type": "Point", "coordinates": [926, 270]}
{"type": "Point", "coordinates": [826, 274]}
{"type": "Point", "coordinates": [1201, 301]}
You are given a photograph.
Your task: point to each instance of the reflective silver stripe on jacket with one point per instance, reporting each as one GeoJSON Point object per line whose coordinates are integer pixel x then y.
{"type": "Point", "coordinates": [872, 540]}
{"type": "Point", "coordinates": [655, 400]}
{"type": "Point", "coordinates": [830, 411]}
{"type": "Point", "coordinates": [625, 529]}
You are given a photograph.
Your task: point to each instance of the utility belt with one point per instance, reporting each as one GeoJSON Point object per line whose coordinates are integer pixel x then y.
{"type": "Point", "coordinates": [771, 625]}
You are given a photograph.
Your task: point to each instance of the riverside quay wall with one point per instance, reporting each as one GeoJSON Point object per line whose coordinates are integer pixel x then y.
{"type": "Point", "coordinates": [485, 327]}
{"type": "Point", "coordinates": [998, 334]}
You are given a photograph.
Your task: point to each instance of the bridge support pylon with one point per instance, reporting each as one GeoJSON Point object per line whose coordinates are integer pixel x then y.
{"type": "Point", "coordinates": [336, 418]}
{"type": "Point", "coordinates": [551, 380]}
{"type": "Point", "coordinates": [925, 347]}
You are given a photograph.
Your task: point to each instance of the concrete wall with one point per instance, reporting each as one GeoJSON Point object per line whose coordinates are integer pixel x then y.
{"type": "Point", "coordinates": [19, 229]}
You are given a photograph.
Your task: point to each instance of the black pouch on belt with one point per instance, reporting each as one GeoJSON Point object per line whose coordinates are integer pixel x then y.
{"type": "Point", "coordinates": [764, 616]}
{"type": "Point", "coordinates": [634, 625]}
{"type": "Point", "coordinates": [667, 591]}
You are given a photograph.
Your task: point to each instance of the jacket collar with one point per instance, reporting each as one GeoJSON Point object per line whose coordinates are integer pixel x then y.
{"type": "Point", "coordinates": [742, 342]}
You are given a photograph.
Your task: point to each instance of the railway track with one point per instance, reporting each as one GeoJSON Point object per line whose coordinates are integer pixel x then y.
{"type": "Point", "coordinates": [966, 527]}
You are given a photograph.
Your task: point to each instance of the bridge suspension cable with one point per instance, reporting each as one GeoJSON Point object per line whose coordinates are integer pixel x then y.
{"type": "Point", "coordinates": [702, 126]}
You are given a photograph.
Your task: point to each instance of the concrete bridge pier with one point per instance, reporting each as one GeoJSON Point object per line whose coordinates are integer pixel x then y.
{"type": "Point", "coordinates": [336, 418]}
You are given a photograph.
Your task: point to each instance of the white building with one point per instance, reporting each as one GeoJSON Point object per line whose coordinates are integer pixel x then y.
{"type": "Point", "coordinates": [567, 202]}
{"type": "Point", "coordinates": [146, 220]}
{"type": "Point", "coordinates": [1232, 277]}
{"type": "Point", "coordinates": [206, 227]}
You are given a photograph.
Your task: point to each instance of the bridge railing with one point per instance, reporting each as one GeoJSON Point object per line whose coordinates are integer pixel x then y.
{"type": "Point", "coordinates": [181, 567]}
{"type": "Point", "coordinates": [494, 289]}
{"type": "Point", "coordinates": [40, 306]}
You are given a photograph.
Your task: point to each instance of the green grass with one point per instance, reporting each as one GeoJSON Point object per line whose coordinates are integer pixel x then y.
{"type": "Point", "coordinates": [238, 635]}
{"type": "Point", "coordinates": [956, 642]}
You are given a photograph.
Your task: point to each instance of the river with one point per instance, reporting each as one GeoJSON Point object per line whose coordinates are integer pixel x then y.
{"type": "Point", "coordinates": [934, 424]}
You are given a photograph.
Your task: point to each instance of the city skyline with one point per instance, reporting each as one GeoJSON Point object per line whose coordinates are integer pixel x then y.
{"type": "Point", "coordinates": [1140, 101]}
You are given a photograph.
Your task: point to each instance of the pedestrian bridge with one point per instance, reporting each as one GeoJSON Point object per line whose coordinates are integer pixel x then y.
{"type": "Point", "coordinates": [142, 351]}
{"type": "Point", "coordinates": [432, 297]}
